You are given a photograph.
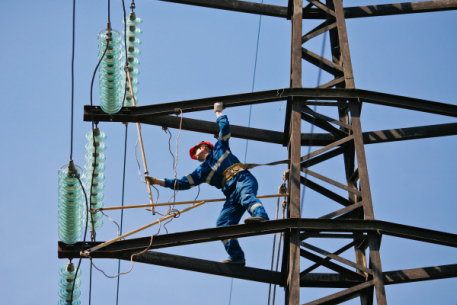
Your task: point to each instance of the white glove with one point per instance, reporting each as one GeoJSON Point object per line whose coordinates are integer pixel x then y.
{"type": "Point", "coordinates": [153, 180]}
{"type": "Point", "coordinates": [218, 107]}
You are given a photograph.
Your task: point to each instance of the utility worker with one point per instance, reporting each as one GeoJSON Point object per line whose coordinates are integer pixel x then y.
{"type": "Point", "coordinates": [220, 168]}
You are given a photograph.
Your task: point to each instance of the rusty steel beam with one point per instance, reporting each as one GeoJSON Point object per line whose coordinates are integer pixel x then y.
{"type": "Point", "coordinates": [330, 265]}
{"type": "Point", "coordinates": [410, 133]}
{"type": "Point", "coordinates": [238, 6]}
{"type": "Point", "coordinates": [341, 55]}
{"type": "Point", "coordinates": [337, 258]}
{"type": "Point", "coordinates": [327, 280]}
{"type": "Point", "coordinates": [332, 182]}
{"type": "Point", "coordinates": [420, 274]}
{"type": "Point", "coordinates": [292, 296]}
{"type": "Point", "coordinates": [268, 227]}
{"type": "Point", "coordinates": [389, 135]}
{"type": "Point", "coordinates": [320, 29]}
{"type": "Point", "coordinates": [204, 266]}
{"type": "Point", "coordinates": [249, 133]}
{"type": "Point", "coordinates": [342, 211]}
{"type": "Point", "coordinates": [326, 259]}
{"type": "Point", "coordinates": [322, 63]}
{"type": "Point", "coordinates": [323, 157]}
{"type": "Point", "coordinates": [308, 110]}
{"type": "Point", "coordinates": [126, 113]}
{"type": "Point", "coordinates": [314, 13]}
{"type": "Point", "coordinates": [388, 9]}
{"type": "Point", "coordinates": [327, 193]}
{"type": "Point", "coordinates": [344, 45]}
{"type": "Point", "coordinates": [342, 296]}
{"type": "Point", "coordinates": [400, 8]}
{"type": "Point", "coordinates": [277, 137]}
{"type": "Point", "coordinates": [322, 124]}
{"type": "Point", "coordinates": [332, 280]}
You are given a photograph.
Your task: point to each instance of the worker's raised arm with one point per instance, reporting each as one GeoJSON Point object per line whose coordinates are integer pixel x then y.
{"type": "Point", "coordinates": [224, 126]}
{"type": "Point", "coordinates": [195, 178]}
{"type": "Point", "coordinates": [218, 107]}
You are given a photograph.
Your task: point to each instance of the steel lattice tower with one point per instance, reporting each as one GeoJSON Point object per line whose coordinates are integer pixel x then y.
{"type": "Point", "coordinates": [355, 221]}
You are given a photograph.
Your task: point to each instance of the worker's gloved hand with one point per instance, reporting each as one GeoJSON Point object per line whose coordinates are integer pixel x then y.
{"type": "Point", "coordinates": [152, 180]}
{"type": "Point", "coordinates": [218, 107]}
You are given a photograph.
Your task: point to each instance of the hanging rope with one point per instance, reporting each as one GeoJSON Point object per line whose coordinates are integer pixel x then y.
{"type": "Point", "coordinates": [86, 253]}
{"type": "Point", "coordinates": [131, 259]}
{"type": "Point", "coordinates": [281, 237]}
{"type": "Point", "coordinates": [282, 189]}
{"type": "Point", "coordinates": [180, 202]}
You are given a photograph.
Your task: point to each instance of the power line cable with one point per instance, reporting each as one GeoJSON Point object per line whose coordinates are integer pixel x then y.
{"type": "Point", "coordinates": [94, 167]}
{"type": "Point", "coordinates": [250, 112]}
{"type": "Point", "coordinates": [122, 212]}
{"type": "Point", "coordinates": [72, 79]}
{"type": "Point", "coordinates": [72, 115]}
{"type": "Point", "coordinates": [90, 285]}
{"type": "Point", "coordinates": [253, 80]}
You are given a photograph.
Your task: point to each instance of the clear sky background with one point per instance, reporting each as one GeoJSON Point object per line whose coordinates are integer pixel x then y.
{"type": "Point", "coordinates": [188, 53]}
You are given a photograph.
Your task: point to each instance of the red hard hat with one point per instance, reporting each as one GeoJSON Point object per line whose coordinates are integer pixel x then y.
{"type": "Point", "coordinates": [192, 150]}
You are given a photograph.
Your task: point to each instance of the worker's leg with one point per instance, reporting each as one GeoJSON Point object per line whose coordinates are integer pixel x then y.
{"type": "Point", "coordinates": [230, 215]}
{"type": "Point", "coordinates": [247, 188]}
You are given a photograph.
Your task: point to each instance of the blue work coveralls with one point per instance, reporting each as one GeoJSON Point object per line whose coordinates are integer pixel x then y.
{"type": "Point", "coordinates": [239, 189]}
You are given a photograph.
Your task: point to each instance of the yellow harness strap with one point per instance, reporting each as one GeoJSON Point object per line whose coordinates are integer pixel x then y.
{"type": "Point", "coordinates": [232, 171]}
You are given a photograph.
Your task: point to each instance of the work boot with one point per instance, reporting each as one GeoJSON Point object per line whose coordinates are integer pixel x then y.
{"type": "Point", "coordinates": [254, 219]}
{"type": "Point", "coordinates": [235, 261]}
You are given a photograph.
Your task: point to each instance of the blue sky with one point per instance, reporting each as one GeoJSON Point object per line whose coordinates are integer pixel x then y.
{"type": "Point", "coordinates": [192, 52]}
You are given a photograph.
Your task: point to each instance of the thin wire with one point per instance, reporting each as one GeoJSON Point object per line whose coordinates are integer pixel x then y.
{"type": "Point", "coordinates": [273, 252]}
{"type": "Point", "coordinates": [90, 284]}
{"type": "Point", "coordinates": [125, 150]}
{"type": "Point", "coordinates": [138, 162]}
{"type": "Point", "coordinates": [230, 298]}
{"type": "Point", "coordinates": [131, 257]}
{"type": "Point", "coordinates": [73, 287]}
{"type": "Point", "coordinates": [250, 112]}
{"type": "Point", "coordinates": [72, 79]}
{"type": "Point", "coordinates": [253, 80]}
{"type": "Point", "coordinates": [93, 173]}
{"type": "Point", "coordinates": [118, 227]}
{"type": "Point", "coordinates": [312, 125]}
{"type": "Point", "coordinates": [175, 166]}
{"type": "Point", "coordinates": [122, 211]}
{"type": "Point", "coordinates": [198, 194]}
{"type": "Point", "coordinates": [278, 256]}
